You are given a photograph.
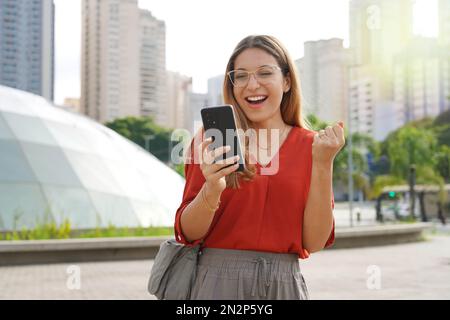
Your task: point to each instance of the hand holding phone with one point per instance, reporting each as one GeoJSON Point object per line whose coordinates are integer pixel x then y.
{"type": "Point", "coordinates": [219, 123]}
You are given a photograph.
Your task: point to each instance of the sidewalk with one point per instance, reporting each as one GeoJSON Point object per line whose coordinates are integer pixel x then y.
{"type": "Point", "coordinates": [408, 271]}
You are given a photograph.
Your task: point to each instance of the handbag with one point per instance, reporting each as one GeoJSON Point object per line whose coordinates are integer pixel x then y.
{"type": "Point", "coordinates": [174, 271]}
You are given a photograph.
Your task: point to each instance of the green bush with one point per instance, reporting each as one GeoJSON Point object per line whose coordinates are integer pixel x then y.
{"type": "Point", "coordinates": [51, 230]}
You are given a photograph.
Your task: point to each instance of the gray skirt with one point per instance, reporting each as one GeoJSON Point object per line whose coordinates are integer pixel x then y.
{"type": "Point", "coordinates": [224, 274]}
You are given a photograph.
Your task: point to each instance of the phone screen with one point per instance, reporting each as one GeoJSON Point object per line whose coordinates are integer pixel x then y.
{"type": "Point", "coordinates": [219, 123]}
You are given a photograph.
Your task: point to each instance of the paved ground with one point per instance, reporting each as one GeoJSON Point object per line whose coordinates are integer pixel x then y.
{"type": "Point", "coordinates": [407, 271]}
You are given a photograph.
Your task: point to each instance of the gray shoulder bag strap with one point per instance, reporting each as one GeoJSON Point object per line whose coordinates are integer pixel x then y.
{"type": "Point", "coordinates": [174, 269]}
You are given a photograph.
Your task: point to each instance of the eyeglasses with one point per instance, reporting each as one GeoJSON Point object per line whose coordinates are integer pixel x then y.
{"type": "Point", "coordinates": [264, 75]}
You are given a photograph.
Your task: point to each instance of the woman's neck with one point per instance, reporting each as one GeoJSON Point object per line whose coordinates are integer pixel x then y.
{"type": "Point", "coordinates": [264, 133]}
{"type": "Point", "coordinates": [273, 123]}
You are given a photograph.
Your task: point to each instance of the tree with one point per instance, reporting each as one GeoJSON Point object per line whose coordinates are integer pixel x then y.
{"type": "Point", "coordinates": [144, 132]}
{"type": "Point", "coordinates": [442, 119]}
{"type": "Point", "coordinates": [315, 123]}
{"type": "Point", "coordinates": [362, 145]}
{"type": "Point", "coordinates": [383, 181]}
{"type": "Point", "coordinates": [411, 146]}
{"type": "Point", "coordinates": [442, 159]}
{"type": "Point", "coordinates": [442, 128]}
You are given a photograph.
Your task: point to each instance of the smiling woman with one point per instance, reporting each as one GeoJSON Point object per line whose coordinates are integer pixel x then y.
{"type": "Point", "coordinates": [255, 225]}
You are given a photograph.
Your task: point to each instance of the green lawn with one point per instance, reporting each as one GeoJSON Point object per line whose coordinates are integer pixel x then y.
{"type": "Point", "coordinates": [64, 231]}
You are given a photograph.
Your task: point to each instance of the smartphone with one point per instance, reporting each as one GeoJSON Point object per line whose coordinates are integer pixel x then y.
{"type": "Point", "coordinates": [219, 123]}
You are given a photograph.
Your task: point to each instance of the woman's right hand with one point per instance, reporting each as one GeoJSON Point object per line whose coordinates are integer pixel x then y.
{"type": "Point", "coordinates": [215, 171]}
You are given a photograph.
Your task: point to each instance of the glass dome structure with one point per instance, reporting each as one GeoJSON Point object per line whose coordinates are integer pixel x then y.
{"type": "Point", "coordinates": [64, 165]}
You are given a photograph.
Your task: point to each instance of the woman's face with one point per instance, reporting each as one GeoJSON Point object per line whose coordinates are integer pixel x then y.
{"type": "Point", "coordinates": [260, 100]}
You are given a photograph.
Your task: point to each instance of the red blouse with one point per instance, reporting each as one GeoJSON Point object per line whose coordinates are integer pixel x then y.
{"type": "Point", "coordinates": [265, 214]}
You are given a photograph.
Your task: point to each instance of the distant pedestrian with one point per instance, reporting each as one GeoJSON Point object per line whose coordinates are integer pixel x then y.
{"type": "Point", "coordinates": [257, 225]}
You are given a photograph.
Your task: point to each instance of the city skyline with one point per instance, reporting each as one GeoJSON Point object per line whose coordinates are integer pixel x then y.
{"type": "Point", "coordinates": [313, 23]}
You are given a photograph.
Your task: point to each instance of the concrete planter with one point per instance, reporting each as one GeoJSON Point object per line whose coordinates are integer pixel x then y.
{"type": "Point", "coordinates": [109, 249]}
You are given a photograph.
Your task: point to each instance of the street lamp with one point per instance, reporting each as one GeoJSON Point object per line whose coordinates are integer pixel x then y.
{"type": "Point", "coordinates": [350, 149]}
{"type": "Point", "coordinates": [351, 66]}
{"type": "Point", "coordinates": [412, 193]}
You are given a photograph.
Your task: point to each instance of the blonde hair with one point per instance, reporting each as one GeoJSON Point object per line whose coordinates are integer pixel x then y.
{"type": "Point", "coordinates": [291, 110]}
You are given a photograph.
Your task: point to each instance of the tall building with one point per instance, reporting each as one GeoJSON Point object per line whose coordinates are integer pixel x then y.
{"type": "Point", "coordinates": [153, 99]}
{"type": "Point", "coordinates": [416, 80]}
{"type": "Point", "coordinates": [379, 29]}
{"type": "Point", "coordinates": [71, 104]}
{"type": "Point", "coordinates": [27, 45]}
{"type": "Point", "coordinates": [179, 88]}
{"type": "Point", "coordinates": [215, 90]}
{"type": "Point", "coordinates": [324, 76]}
{"type": "Point", "coordinates": [444, 21]}
{"type": "Point", "coordinates": [362, 90]}
{"type": "Point", "coordinates": [444, 41]}
{"type": "Point", "coordinates": [123, 55]}
{"type": "Point", "coordinates": [110, 59]}
{"type": "Point", "coordinates": [196, 103]}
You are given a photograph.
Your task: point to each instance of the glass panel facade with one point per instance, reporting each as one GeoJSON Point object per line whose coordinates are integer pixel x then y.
{"type": "Point", "coordinates": [14, 101]}
{"type": "Point", "coordinates": [68, 137]}
{"type": "Point", "coordinates": [114, 210]}
{"type": "Point", "coordinates": [22, 205]}
{"type": "Point", "coordinates": [63, 166]}
{"type": "Point", "coordinates": [102, 143]}
{"type": "Point", "coordinates": [29, 129]}
{"type": "Point", "coordinates": [129, 180]}
{"type": "Point", "coordinates": [93, 172]}
{"type": "Point", "coordinates": [5, 132]}
{"type": "Point", "coordinates": [73, 204]}
{"type": "Point", "coordinates": [153, 214]}
{"type": "Point", "coordinates": [50, 165]}
{"type": "Point", "coordinates": [13, 164]}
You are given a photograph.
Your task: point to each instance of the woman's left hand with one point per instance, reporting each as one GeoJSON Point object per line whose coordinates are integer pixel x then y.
{"type": "Point", "coordinates": [327, 143]}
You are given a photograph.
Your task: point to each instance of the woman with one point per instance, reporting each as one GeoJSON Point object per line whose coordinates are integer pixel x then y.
{"type": "Point", "coordinates": [255, 225]}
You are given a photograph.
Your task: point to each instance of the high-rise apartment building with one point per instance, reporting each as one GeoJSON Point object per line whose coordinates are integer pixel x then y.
{"type": "Point", "coordinates": [179, 88]}
{"type": "Point", "coordinates": [444, 41]}
{"type": "Point", "coordinates": [153, 94]}
{"type": "Point", "coordinates": [416, 80]}
{"type": "Point", "coordinates": [324, 79]}
{"type": "Point", "coordinates": [123, 61]}
{"type": "Point", "coordinates": [444, 21]}
{"type": "Point", "coordinates": [215, 90]}
{"type": "Point", "coordinates": [197, 102]}
{"type": "Point", "coordinates": [27, 45]}
{"type": "Point", "coordinates": [368, 113]}
{"type": "Point", "coordinates": [379, 29]}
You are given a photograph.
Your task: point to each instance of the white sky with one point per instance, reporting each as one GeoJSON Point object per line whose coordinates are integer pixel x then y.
{"type": "Point", "coordinates": [201, 34]}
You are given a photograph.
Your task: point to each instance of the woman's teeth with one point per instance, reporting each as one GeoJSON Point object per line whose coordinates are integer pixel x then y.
{"type": "Point", "coordinates": [256, 99]}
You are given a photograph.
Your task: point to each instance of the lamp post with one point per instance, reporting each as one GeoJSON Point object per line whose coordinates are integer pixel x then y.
{"type": "Point", "coordinates": [412, 193]}
{"type": "Point", "coordinates": [350, 167]}
{"type": "Point", "coordinates": [350, 148]}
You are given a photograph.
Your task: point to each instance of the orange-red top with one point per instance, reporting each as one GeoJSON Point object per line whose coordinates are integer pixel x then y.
{"type": "Point", "coordinates": [265, 214]}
